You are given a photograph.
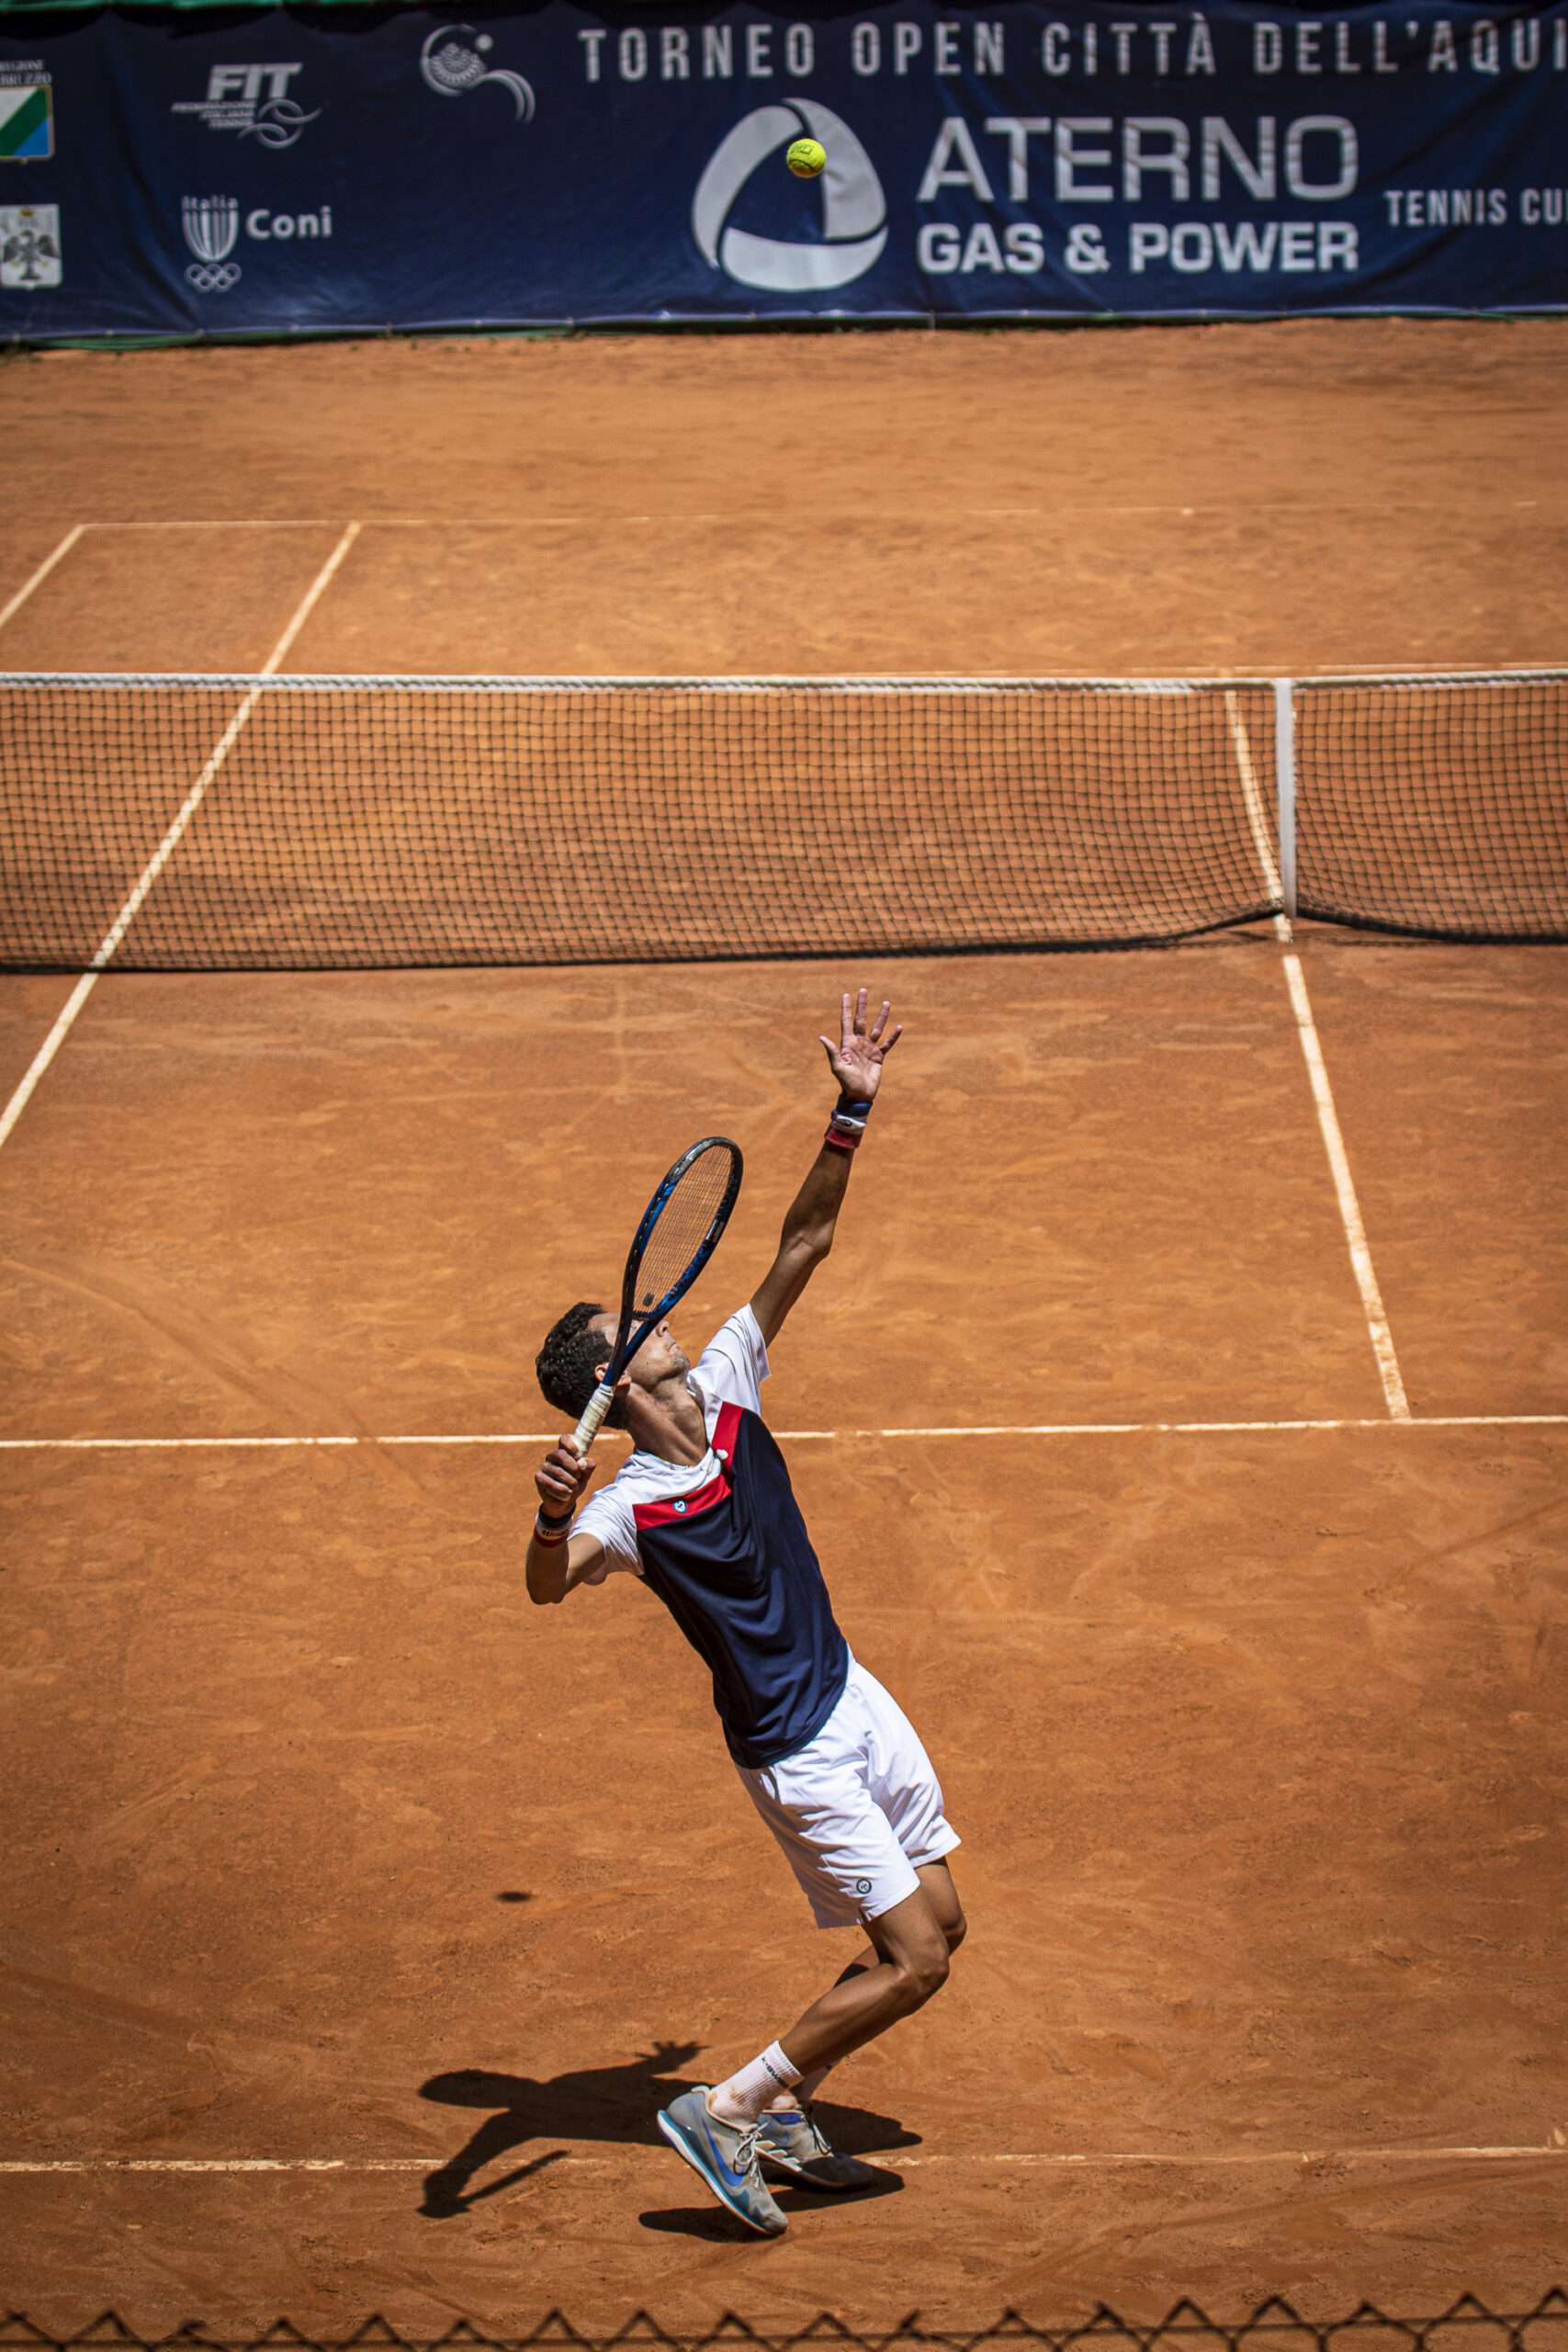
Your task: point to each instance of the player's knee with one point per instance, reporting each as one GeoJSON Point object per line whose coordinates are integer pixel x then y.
{"type": "Point", "coordinates": [956, 1931]}
{"type": "Point", "coordinates": [924, 1973]}
{"type": "Point", "coordinates": [934, 1973]}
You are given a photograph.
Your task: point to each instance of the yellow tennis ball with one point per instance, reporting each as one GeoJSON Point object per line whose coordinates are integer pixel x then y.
{"type": "Point", "coordinates": [806, 159]}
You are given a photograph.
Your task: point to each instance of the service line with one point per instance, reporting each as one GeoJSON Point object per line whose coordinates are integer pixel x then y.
{"type": "Point", "coordinates": [801, 1437]}
{"type": "Point", "coordinates": [230, 523]}
{"type": "Point", "coordinates": [171, 839]}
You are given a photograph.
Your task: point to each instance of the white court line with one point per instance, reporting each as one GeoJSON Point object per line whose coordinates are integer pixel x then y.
{"type": "Point", "coordinates": [227, 523]}
{"type": "Point", "coordinates": [1349, 1207]}
{"type": "Point", "coordinates": [798, 1437]}
{"type": "Point", "coordinates": [1261, 842]}
{"type": "Point", "coordinates": [1378, 1329]}
{"type": "Point", "coordinates": [1174, 2159]}
{"type": "Point", "coordinates": [41, 574]}
{"type": "Point", "coordinates": [171, 841]}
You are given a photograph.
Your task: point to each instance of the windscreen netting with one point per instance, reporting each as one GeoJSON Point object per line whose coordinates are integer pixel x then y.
{"type": "Point", "coordinates": [230, 824]}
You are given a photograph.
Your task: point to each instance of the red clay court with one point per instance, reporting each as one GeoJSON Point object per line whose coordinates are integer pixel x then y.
{"type": "Point", "coordinates": [359, 1916]}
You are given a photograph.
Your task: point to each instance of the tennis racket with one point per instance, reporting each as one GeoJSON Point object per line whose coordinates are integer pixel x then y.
{"type": "Point", "coordinates": [678, 1233]}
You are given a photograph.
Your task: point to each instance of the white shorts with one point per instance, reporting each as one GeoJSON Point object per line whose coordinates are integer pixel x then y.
{"type": "Point", "coordinates": [858, 1809]}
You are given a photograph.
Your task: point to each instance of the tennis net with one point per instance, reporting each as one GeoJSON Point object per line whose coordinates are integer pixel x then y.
{"type": "Point", "coordinates": [202, 822]}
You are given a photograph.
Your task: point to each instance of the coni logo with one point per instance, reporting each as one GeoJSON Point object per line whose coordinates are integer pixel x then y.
{"type": "Point", "coordinates": [853, 206]}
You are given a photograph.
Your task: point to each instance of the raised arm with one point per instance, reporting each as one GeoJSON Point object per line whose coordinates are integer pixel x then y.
{"type": "Point", "coordinates": [856, 1062]}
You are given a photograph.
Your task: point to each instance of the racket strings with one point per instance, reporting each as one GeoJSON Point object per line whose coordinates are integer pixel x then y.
{"type": "Point", "coordinates": [682, 1227]}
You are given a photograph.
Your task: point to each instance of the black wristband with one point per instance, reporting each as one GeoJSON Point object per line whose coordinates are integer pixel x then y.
{"type": "Point", "coordinates": [547, 1518]}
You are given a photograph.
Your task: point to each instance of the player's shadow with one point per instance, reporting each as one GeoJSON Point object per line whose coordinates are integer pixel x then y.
{"type": "Point", "coordinates": [609, 2103]}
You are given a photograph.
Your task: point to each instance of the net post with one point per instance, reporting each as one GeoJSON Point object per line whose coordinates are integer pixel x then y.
{"type": "Point", "coordinates": [1285, 788]}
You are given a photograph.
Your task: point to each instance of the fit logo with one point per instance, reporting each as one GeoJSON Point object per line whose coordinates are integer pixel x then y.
{"type": "Point", "coordinates": [246, 82]}
{"type": "Point", "coordinates": [253, 101]}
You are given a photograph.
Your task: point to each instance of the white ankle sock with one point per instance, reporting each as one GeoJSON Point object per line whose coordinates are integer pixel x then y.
{"type": "Point", "coordinates": [742, 2099]}
{"type": "Point", "coordinates": [794, 2102]}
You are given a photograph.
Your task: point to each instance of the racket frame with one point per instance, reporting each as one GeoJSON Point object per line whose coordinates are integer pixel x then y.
{"type": "Point", "coordinates": [628, 1341]}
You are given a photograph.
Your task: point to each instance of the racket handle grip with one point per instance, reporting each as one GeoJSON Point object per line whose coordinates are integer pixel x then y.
{"type": "Point", "coordinates": [599, 1404]}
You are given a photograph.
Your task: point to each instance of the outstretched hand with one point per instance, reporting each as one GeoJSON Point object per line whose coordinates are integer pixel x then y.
{"type": "Point", "coordinates": [856, 1060]}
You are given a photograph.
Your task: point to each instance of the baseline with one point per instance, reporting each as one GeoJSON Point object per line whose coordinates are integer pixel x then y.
{"type": "Point", "coordinates": [1532, 2151]}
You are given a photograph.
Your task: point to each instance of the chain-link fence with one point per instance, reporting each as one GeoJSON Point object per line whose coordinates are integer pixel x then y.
{"type": "Point", "coordinates": [1467, 2325]}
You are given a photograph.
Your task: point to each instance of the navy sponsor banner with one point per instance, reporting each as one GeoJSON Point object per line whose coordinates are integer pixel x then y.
{"type": "Point", "coordinates": [347, 169]}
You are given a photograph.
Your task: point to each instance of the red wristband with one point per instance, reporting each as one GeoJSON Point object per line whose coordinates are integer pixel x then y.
{"type": "Point", "coordinates": [840, 1141]}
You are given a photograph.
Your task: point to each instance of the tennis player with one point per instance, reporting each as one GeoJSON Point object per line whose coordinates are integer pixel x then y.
{"type": "Point", "coordinates": [703, 1511]}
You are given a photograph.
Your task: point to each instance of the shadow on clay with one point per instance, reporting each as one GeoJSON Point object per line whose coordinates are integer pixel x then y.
{"type": "Point", "coordinates": [608, 2103]}
{"type": "Point", "coordinates": [712, 2223]}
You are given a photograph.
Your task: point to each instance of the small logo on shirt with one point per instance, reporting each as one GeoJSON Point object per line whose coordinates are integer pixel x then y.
{"type": "Point", "coordinates": [680, 1506]}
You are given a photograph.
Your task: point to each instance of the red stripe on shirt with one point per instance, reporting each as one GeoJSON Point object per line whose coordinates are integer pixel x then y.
{"type": "Point", "coordinates": [716, 1491]}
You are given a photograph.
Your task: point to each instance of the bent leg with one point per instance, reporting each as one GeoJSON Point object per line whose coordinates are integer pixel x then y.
{"type": "Point", "coordinates": [907, 1963]}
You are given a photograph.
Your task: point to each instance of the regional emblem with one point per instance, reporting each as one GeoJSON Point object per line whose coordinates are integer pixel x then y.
{"type": "Point", "coordinates": [27, 122]}
{"type": "Point", "coordinates": [29, 244]}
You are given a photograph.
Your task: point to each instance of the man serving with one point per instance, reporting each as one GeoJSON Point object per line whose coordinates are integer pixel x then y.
{"type": "Point", "coordinates": [704, 1512]}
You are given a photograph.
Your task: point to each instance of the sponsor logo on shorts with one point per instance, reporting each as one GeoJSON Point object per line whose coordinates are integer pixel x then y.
{"type": "Point", "coordinates": [452, 64]}
{"type": "Point", "coordinates": [863, 1887]}
{"type": "Point", "coordinates": [253, 101]}
{"type": "Point", "coordinates": [27, 112]}
{"type": "Point", "coordinates": [29, 244]}
{"type": "Point", "coordinates": [855, 209]}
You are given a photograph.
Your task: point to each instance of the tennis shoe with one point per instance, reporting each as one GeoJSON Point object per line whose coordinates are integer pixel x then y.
{"type": "Point", "coordinates": [792, 2143]}
{"type": "Point", "coordinates": [724, 2156]}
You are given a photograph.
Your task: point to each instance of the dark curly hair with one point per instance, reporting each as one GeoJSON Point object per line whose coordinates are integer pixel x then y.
{"type": "Point", "coordinates": [567, 1365]}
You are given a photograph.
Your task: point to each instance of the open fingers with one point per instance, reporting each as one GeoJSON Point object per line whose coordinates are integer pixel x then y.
{"type": "Point", "coordinates": [857, 1030]}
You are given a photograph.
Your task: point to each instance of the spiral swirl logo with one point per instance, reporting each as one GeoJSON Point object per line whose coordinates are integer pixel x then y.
{"type": "Point", "coordinates": [452, 68]}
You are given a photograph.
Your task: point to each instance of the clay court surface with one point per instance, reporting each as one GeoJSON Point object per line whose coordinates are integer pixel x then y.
{"type": "Point", "coordinates": [325, 1848]}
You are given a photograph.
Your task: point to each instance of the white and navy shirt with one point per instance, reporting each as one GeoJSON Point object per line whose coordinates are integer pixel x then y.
{"type": "Point", "coordinates": [723, 1545]}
